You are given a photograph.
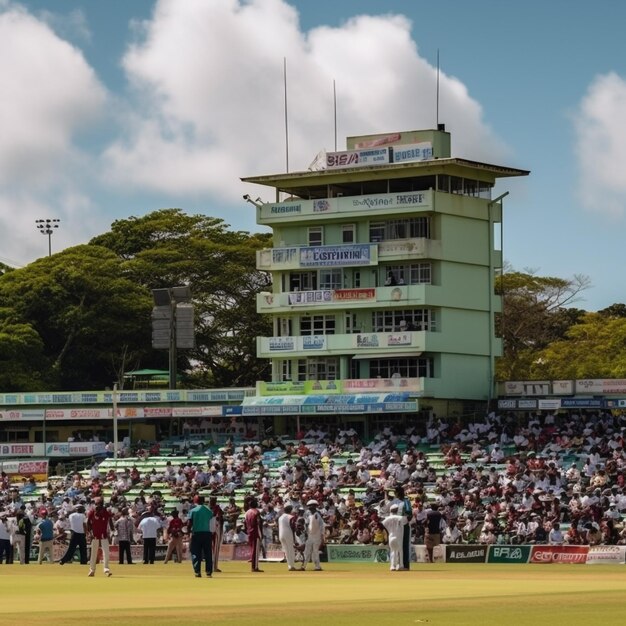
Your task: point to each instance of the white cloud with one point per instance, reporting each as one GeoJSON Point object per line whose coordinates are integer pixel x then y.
{"type": "Point", "coordinates": [50, 94]}
{"type": "Point", "coordinates": [601, 145]}
{"type": "Point", "coordinates": [208, 80]}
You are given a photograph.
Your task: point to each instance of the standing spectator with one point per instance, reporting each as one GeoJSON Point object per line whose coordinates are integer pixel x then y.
{"type": "Point", "coordinates": [149, 527]}
{"type": "Point", "coordinates": [46, 536]}
{"type": "Point", "coordinates": [175, 537]}
{"type": "Point", "coordinates": [5, 539]}
{"type": "Point", "coordinates": [315, 536]}
{"type": "Point", "coordinates": [19, 536]}
{"type": "Point", "coordinates": [434, 524]}
{"type": "Point", "coordinates": [201, 522]}
{"type": "Point", "coordinates": [125, 536]}
{"type": "Point", "coordinates": [99, 522]}
{"type": "Point", "coordinates": [78, 537]}
{"type": "Point", "coordinates": [218, 535]}
{"type": "Point", "coordinates": [28, 530]}
{"type": "Point", "coordinates": [254, 529]}
{"type": "Point", "coordinates": [394, 524]}
{"type": "Point", "coordinates": [287, 536]}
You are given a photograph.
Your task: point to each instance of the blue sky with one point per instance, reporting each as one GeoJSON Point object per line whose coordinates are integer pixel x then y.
{"type": "Point", "coordinates": [118, 108]}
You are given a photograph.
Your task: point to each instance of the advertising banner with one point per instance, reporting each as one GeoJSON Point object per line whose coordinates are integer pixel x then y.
{"type": "Point", "coordinates": [347, 255]}
{"type": "Point", "coordinates": [31, 415]}
{"type": "Point", "coordinates": [357, 158]}
{"type": "Point", "coordinates": [412, 152]}
{"type": "Point", "coordinates": [601, 386]}
{"type": "Point", "coordinates": [466, 554]}
{"type": "Point", "coordinates": [606, 555]}
{"type": "Point", "coordinates": [508, 554]}
{"type": "Point", "coordinates": [559, 554]}
{"type": "Point", "coordinates": [357, 553]}
{"type": "Point", "coordinates": [17, 470]}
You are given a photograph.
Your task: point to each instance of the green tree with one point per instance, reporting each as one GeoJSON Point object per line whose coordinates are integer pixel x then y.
{"type": "Point", "coordinates": [168, 248]}
{"type": "Point", "coordinates": [23, 365]}
{"type": "Point", "coordinates": [534, 313]}
{"type": "Point", "coordinates": [85, 312]}
{"type": "Point", "coordinates": [593, 348]}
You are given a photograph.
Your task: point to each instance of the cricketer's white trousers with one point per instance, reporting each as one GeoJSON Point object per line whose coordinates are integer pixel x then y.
{"type": "Point", "coordinates": [95, 544]}
{"type": "Point", "coordinates": [395, 553]}
{"type": "Point", "coordinates": [290, 552]}
{"type": "Point", "coordinates": [312, 552]}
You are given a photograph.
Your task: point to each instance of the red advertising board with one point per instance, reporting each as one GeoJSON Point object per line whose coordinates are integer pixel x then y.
{"type": "Point", "coordinates": [559, 554]}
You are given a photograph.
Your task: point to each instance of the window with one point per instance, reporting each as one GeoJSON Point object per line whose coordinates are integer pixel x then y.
{"type": "Point", "coordinates": [283, 327]}
{"type": "Point", "coordinates": [412, 274]}
{"type": "Point", "coordinates": [317, 325]}
{"type": "Point", "coordinates": [409, 319]}
{"type": "Point", "coordinates": [302, 281]}
{"type": "Point", "coordinates": [407, 368]}
{"type": "Point", "coordinates": [377, 231]}
{"type": "Point", "coordinates": [331, 279]}
{"type": "Point", "coordinates": [285, 370]}
{"type": "Point", "coordinates": [400, 229]}
{"type": "Point", "coordinates": [347, 233]}
{"type": "Point", "coordinates": [316, 236]}
{"type": "Point", "coordinates": [323, 369]}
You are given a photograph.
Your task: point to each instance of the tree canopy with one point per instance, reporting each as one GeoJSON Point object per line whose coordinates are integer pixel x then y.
{"type": "Point", "coordinates": [76, 313]}
{"type": "Point", "coordinates": [534, 314]}
{"type": "Point", "coordinates": [168, 248]}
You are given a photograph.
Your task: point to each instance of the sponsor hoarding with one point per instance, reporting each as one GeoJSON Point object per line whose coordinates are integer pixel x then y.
{"type": "Point", "coordinates": [466, 554]}
{"type": "Point", "coordinates": [508, 554]}
{"type": "Point", "coordinates": [559, 554]}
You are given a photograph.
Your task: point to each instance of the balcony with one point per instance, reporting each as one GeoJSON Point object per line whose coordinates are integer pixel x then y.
{"type": "Point", "coordinates": [352, 207]}
{"type": "Point", "coordinates": [386, 344]}
{"type": "Point", "coordinates": [347, 255]}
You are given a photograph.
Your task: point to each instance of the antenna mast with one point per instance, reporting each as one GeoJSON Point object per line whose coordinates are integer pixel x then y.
{"type": "Point", "coordinates": [437, 106]}
{"type": "Point", "coordinates": [286, 125]}
{"type": "Point", "coordinates": [335, 110]}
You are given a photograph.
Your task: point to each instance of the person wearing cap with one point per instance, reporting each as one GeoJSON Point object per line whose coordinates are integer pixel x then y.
{"type": "Point", "coordinates": [99, 523]}
{"type": "Point", "coordinates": [404, 508]}
{"type": "Point", "coordinates": [394, 525]}
{"type": "Point", "coordinates": [315, 536]}
{"type": "Point", "coordinates": [78, 537]}
{"type": "Point", "coordinates": [46, 536]}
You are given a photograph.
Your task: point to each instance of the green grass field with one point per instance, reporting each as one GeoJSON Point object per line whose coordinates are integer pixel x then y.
{"type": "Point", "coordinates": [343, 594]}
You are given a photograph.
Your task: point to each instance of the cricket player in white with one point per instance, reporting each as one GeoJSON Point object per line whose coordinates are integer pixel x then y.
{"type": "Point", "coordinates": [286, 537]}
{"type": "Point", "coordinates": [394, 524]}
{"type": "Point", "coordinates": [315, 535]}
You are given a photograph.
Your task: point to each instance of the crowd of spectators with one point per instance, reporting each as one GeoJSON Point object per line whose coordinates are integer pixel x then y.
{"type": "Point", "coordinates": [545, 478]}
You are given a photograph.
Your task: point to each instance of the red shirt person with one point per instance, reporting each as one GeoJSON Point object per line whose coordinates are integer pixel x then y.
{"type": "Point", "coordinates": [99, 522]}
{"type": "Point", "coordinates": [254, 524]}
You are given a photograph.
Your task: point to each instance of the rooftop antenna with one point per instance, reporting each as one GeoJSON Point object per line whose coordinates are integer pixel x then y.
{"type": "Point", "coordinates": [437, 112]}
{"type": "Point", "coordinates": [335, 110]}
{"type": "Point", "coordinates": [286, 125]}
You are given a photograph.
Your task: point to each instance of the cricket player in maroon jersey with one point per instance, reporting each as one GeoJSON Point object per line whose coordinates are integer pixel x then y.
{"type": "Point", "coordinates": [217, 536]}
{"type": "Point", "coordinates": [99, 522]}
{"type": "Point", "coordinates": [254, 529]}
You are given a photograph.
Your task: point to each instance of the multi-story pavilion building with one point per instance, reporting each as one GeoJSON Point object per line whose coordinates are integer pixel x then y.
{"type": "Point", "coordinates": [383, 271]}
